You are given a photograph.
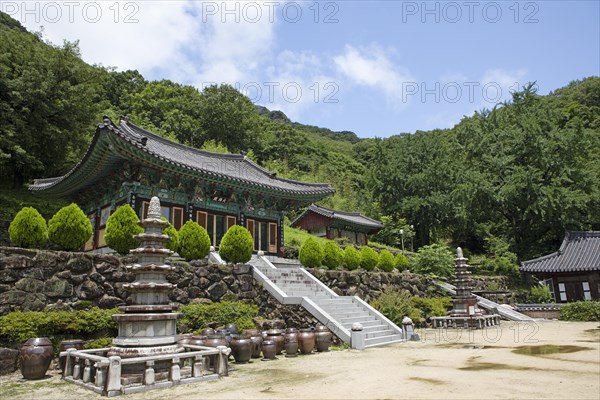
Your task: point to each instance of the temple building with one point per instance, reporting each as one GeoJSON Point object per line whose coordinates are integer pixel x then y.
{"type": "Point", "coordinates": [127, 164]}
{"type": "Point", "coordinates": [332, 224]}
{"type": "Point", "coordinates": [573, 272]}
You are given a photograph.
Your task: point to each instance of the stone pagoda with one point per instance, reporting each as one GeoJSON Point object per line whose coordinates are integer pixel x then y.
{"type": "Point", "coordinates": [465, 312]}
{"type": "Point", "coordinates": [148, 325]}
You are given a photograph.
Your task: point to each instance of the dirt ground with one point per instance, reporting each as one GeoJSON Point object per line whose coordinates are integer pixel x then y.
{"type": "Point", "coordinates": [543, 359]}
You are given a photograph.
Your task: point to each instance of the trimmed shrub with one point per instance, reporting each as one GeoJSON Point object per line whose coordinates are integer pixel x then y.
{"type": "Point", "coordinates": [386, 261]}
{"type": "Point", "coordinates": [199, 316]}
{"type": "Point", "coordinates": [436, 260]}
{"type": "Point", "coordinates": [351, 258]}
{"type": "Point", "coordinates": [432, 306]}
{"type": "Point", "coordinates": [120, 228]}
{"type": "Point", "coordinates": [173, 243]}
{"type": "Point", "coordinates": [368, 258]}
{"type": "Point", "coordinates": [581, 311]}
{"type": "Point", "coordinates": [236, 245]}
{"type": "Point", "coordinates": [401, 262]}
{"type": "Point", "coordinates": [69, 228]}
{"type": "Point", "coordinates": [311, 253]}
{"type": "Point", "coordinates": [332, 255]}
{"type": "Point", "coordinates": [28, 228]}
{"type": "Point", "coordinates": [194, 242]}
{"type": "Point", "coordinates": [396, 305]}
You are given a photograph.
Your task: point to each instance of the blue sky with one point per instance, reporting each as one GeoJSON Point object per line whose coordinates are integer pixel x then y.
{"type": "Point", "coordinates": [377, 68]}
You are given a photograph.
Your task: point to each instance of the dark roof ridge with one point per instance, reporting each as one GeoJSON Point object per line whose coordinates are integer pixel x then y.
{"type": "Point", "coordinates": [353, 213]}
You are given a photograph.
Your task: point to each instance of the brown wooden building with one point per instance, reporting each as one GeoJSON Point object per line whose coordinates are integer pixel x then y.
{"type": "Point", "coordinates": [332, 224]}
{"type": "Point", "coordinates": [573, 272]}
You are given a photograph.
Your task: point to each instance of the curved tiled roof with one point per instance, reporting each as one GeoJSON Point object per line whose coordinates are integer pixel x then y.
{"type": "Point", "coordinates": [579, 252]}
{"type": "Point", "coordinates": [346, 216]}
{"type": "Point", "coordinates": [233, 168]}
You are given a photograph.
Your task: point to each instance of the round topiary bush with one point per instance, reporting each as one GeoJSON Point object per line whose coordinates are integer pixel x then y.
{"type": "Point", "coordinates": [28, 228]}
{"type": "Point", "coordinates": [351, 258]}
{"type": "Point", "coordinates": [120, 228]}
{"type": "Point", "coordinates": [401, 262]}
{"type": "Point", "coordinates": [311, 253]}
{"type": "Point", "coordinates": [368, 258]}
{"type": "Point", "coordinates": [194, 242]}
{"type": "Point", "coordinates": [332, 255]}
{"type": "Point", "coordinates": [173, 243]}
{"type": "Point", "coordinates": [386, 261]}
{"type": "Point", "coordinates": [69, 228]}
{"type": "Point", "coordinates": [236, 245]}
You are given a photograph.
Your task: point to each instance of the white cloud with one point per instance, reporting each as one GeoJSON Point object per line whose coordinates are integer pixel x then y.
{"type": "Point", "coordinates": [371, 67]}
{"type": "Point", "coordinates": [497, 84]}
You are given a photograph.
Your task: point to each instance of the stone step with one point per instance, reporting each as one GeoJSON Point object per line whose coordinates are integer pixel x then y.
{"type": "Point", "coordinates": [365, 324]}
{"type": "Point", "coordinates": [374, 334]}
{"type": "Point", "coordinates": [348, 313]}
{"type": "Point", "coordinates": [382, 340]}
{"type": "Point", "coordinates": [361, 319]}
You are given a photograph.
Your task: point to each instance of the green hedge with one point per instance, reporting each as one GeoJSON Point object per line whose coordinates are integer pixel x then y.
{"type": "Point", "coordinates": [581, 311]}
{"type": "Point", "coordinates": [396, 305]}
{"type": "Point", "coordinates": [194, 242]}
{"type": "Point", "coordinates": [368, 258]}
{"type": "Point", "coordinates": [351, 258]}
{"type": "Point", "coordinates": [311, 253]}
{"type": "Point", "coordinates": [199, 316]}
{"type": "Point", "coordinates": [69, 228]}
{"type": "Point", "coordinates": [332, 255]}
{"type": "Point", "coordinates": [120, 228]}
{"type": "Point", "coordinates": [386, 261]}
{"type": "Point", "coordinates": [19, 326]}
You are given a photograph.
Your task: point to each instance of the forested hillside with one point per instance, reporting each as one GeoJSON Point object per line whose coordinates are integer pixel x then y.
{"type": "Point", "coordinates": [518, 175]}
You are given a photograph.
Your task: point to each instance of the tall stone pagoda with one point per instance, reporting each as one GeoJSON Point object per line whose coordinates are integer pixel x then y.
{"type": "Point", "coordinates": [465, 302]}
{"type": "Point", "coordinates": [148, 326]}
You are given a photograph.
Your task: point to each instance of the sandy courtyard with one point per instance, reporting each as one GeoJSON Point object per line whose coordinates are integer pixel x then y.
{"type": "Point", "coordinates": [445, 364]}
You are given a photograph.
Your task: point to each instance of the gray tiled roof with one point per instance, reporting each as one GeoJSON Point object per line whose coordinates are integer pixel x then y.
{"type": "Point", "coordinates": [351, 217]}
{"type": "Point", "coordinates": [234, 168]}
{"type": "Point", "coordinates": [580, 251]}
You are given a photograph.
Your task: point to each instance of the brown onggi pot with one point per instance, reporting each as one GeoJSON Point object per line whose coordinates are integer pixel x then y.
{"type": "Point", "coordinates": [207, 331]}
{"type": "Point", "coordinates": [216, 340]}
{"type": "Point", "coordinates": [276, 336]}
{"type": "Point", "coordinates": [306, 340]}
{"type": "Point", "coordinates": [198, 340]}
{"type": "Point", "coordinates": [323, 338]}
{"type": "Point", "coordinates": [291, 345]}
{"type": "Point", "coordinates": [257, 339]}
{"type": "Point", "coordinates": [241, 348]}
{"type": "Point", "coordinates": [64, 346]}
{"type": "Point", "coordinates": [269, 349]}
{"type": "Point", "coordinates": [35, 358]}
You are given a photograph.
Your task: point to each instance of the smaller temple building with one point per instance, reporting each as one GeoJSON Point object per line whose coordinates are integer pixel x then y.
{"type": "Point", "coordinates": [332, 224]}
{"type": "Point", "coordinates": [573, 272]}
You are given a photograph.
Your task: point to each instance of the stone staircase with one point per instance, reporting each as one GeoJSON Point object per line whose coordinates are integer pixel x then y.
{"type": "Point", "coordinates": [290, 283]}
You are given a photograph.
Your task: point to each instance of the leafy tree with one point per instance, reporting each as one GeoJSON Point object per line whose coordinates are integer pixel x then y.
{"type": "Point", "coordinates": [311, 253]}
{"type": "Point", "coordinates": [121, 227]}
{"type": "Point", "coordinates": [173, 243]}
{"type": "Point", "coordinates": [391, 232]}
{"type": "Point", "coordinates": [368, 258]}
{"type": "Point", "coordinates": [236, 245]}
{"type": "Point", "coordinates": [69, 228]}
{"type": "Point", "coordinates": [46, 101]}
{"type": "Point", "coordinates": [401, 262]}
{"type": "Point", "coordinates": [434, 260]}
{"type": "Point", "coordinates": [332, 255]}
{"type": "Point", "coordinates": [351, 258]}
{"type": "Point", "coordinates": [28, 228]}
{"type": "Point", "coordinates": [541, 294]}
{"type": "Point", "coordinates": [386, 261]}
{"type": "Point", "coordinates": [227, 116]}
{"type": "Point", "coordinates": [194, 242]}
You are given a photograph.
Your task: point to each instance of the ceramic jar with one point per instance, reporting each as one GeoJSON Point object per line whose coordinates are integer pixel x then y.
{"type": "Point", "coordinates": [207, 331]}
{"type": "Point", "coordinates": [241, 348]}
{"type": "Point", "coordinates": [257, 340]}
{"type": "Point", "coordinates": [291, 345]}
{"type": "Point", "coordinates": [225, 333]}
{"type": "Point", "coordinates": [35, 358]}
{"type": "Point", "coordinates": [232, 328]}
{"type": "Point", "coordinates": [306, 340]}
{"type": "Point", "coordinates": [64, 346]}
{"type": "Point", "coordinates": [269, 349]}
{"type": "Point", "coordinates": [323, 338]}
{"type": "Point", "coordinates": [276, 336]}
{"type": "Point", "coordinates": [216, 340]}
{"type": "Point", "coordinates": [198, 340]}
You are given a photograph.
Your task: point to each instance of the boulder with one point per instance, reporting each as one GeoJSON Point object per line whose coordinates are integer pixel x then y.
{"type": "Point", "coordinates": [79, 265]}
{"type": "Point", "coordinates": [55, 287]}
{"type": "Point", "coordinates": [8, 360]}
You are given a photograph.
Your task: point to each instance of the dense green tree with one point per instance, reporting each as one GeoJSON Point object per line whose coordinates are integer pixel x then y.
{"type": "Point", "coordinates": [28, 228]}
{"type": "Point", "coordinates": [332, 255]}
{"type": "Point", "coordinates": [434, 260]}
{"type": "Point", "coordinates": [227, 116]}
{"type": "Point", "coordinates": [69, 228]}
{"type": "Point", "coordinates": [121, 227]}
{"type": "Point", "coordinates": [46, 102]}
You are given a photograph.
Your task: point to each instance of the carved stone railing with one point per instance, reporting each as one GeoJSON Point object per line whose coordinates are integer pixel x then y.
{"type": "Point", "coordinates": [93, 370]}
